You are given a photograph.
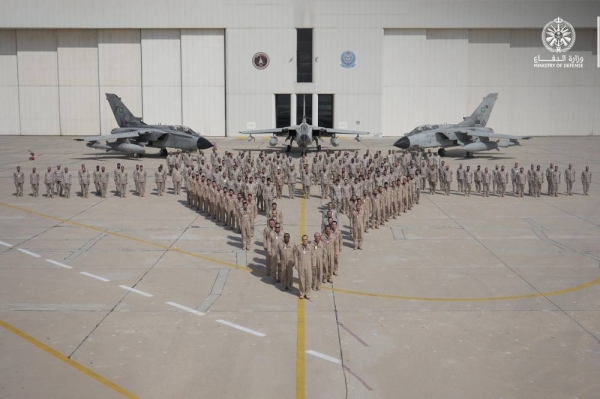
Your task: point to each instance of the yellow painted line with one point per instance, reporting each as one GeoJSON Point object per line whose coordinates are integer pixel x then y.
{"type": "Point", "coordinates": [300, 325]}
{"type": "Point", "coordinates": [481, 299]}
{"type": "Point", "coordinates": [300, 353]}
{"type": "Point", "coordinates": [127, 237]}
{"type": "Point", "coordinates": [66, 360]}
{"type": "Point", "coordinates": [302, 232]}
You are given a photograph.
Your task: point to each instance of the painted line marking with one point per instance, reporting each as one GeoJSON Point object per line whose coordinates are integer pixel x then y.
{"type": "Point", "coordinates": [68, 361]}
{"type": "Point", "coordinates": [125, 236]}
{"type": "Point", "coordinates": [227, 323]}
{"type": "Point", "coordinates": [323, 356]}
{"type": "Point", "coordinates": [29, 253]}
{"type": "Point", "coordinates": [354, 335]}
{"type": "Point", "coordinates": [136, 291]}
{"type": "Point", "coordinates": [358, 378]}
{"type": "Point", "coordinates": [94, 276]}
{"type": "Point", "coordinates": [58, 264]}
{"type": "Point", "coordinates": [193, 311]}
{"type": "Point", "coordinates": [5, 244]}
{"type": "Point", "coordinates": [343, 291]}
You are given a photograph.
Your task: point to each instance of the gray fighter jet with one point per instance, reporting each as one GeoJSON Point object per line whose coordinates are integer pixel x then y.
{"type": "Point", "coordinates": [133, 136]}
{"type": "Point", "coordinates": [304, 134]}
{"type": "Point", "coordinates": [471, 134]}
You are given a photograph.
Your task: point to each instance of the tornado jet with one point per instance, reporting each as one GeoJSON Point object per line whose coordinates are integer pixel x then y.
{"type": "Point", "coordinates": [304, 134]}
{"type": "Point", "coordinates": [471, 134]}
{"type": "Point", "coordinates": [133, 135]}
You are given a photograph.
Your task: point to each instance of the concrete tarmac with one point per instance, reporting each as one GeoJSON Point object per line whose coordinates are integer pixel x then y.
{"type": "Point", "coordinates": [462, 297]}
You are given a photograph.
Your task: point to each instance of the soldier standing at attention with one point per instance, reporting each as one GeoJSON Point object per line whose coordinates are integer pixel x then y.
{"type": "Point", "coordinates": [67, 181]}
{"type": "Point", "coordinates": [291, 176]}
{"type": "Point", "coordinates": [513, 178]}
{"type": "Point", "coordinates": [495, 180]}
{"type": "Point", "coordinates": [279, 183]}
{"type": "Point", "coordinates": [432, 176]}
{"type": "Point", "coordinates": [538, 180]}
{"type": "Point", "coordinates": [325, 183]}
{"type": "Point", "coordinates": [34, 180]}
{"type": "Point", "coordinates": [142, 177]}
{"type": "Point", "coordinates": [460, 178]}
{"type": "Point", "coordinates": [274, 239]}
{"type": "Point", "coordinates": [586, 179]}
{"type": "Point", "coordinates": [358, 227]}
{"type": "Point", "coordinates": [330, 242]}
{"type": "Point", "coordinates": [549, 171]}
{"type": "Point", "coordinates": [176, 178]}
{"type": "Point", "coordinates": [521, 180]}
{"type": "Point", "coordinates": [286, 254]}
{"type": "Point", "coordinates": [570, 178]}
{"type": "Point", "coordinates": [555, 181]}
{"type": "Point", "coordinates": [116, 173]}
{"type": "Point", "coordinates": [104, 178]}
{"type": "Point", "coordinates": [245, 221]}
{"type": "Point", "coordinates": [304, 262]}
{"type": "Point", "coordinates": [159, 179]}
{"type": "Point", "coordinates": [49, 182]}
{"type": "Point", "coordinates": [306, 183]}
{"type": "Point", "coordinates": [468, 180]}
{"type": "Point", "coordinates": [502, 180]}
{"type": "Point", "coordinates": [123, 182]}
{"type": "Point", "coordinates": [338, 234]}
{"type": "Point", "coordinates": [486, 178]}
{"type": "Point", "coordinates": [96, 176]}
{"type": "Point", "coordinates": [478, 177]}
{"type": "Point", "coordinates": [58, 180]}
{"type": "Point", "coordinates": [84, 181]}
{"type": "Point", "coordinates": [266, 234]}
{"type": "Point", "coordinates": [318, 249]}
{"type": "Point", "coordinates": [531, 180]}
{"type": "Point", "coordinates": [447, 179]}
{"type": "Point", "coordinates": [135, 179]}
{"type": "Point", "coordinates": [19, 180]}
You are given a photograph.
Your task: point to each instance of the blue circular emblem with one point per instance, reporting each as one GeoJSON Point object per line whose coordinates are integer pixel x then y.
{"type": "Point", "coordinates": [348, 59]}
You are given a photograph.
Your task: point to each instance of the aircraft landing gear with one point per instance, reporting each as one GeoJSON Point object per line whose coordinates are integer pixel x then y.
{"type": "Point", "coordinates": [469, 155]}
{"type": "Point", "coordinates": [288, 148]}
{"type": "Point", "coordinates": [163, 152]}
{"type": "Point", "coordinates": [318, 147]}
{"type": "Point", "coordinates": [136, 155]}
{"type": "Point", "coordinates": [442, 152]}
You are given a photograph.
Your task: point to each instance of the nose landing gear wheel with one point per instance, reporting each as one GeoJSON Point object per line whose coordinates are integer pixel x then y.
{"type": "Point", "coordinates": [288, 148]}
{"type": "Point", "coordinates": [442, 152]}
{"type": "Point", "coordinates": [163, 152]}
{"type": "Point", "coordinates": [319, 148]}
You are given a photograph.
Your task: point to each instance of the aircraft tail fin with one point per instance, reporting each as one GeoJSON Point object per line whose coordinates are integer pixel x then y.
{"type": "Point", "coordinates": [482, 113]}
{"type": "Point", "coordinates": [122, 114]}
{"type": "Point", "coordinates": [304, 107]}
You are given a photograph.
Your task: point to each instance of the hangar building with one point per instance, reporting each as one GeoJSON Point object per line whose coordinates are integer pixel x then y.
{"type": "Point", "coordinates": [225, 66]}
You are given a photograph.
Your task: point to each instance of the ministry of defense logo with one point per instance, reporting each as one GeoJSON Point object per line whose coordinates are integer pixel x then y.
{"type": "Point", "coordinates": [260, 60]}
{"type": "Point", "coordinates": [348, 59]}
{"type": "Point", "coordinates": [558, 36]}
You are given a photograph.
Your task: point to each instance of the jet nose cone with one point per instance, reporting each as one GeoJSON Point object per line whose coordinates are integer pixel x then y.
{"type": "Point", "coordinates": [403, 143]}
{"type": "Point", "coordinates": [203, 144]}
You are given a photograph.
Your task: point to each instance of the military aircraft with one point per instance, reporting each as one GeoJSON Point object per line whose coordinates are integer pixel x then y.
{"type": "Point", "coordinates": [471, 134]}
{"type": "Point", "coordinates": [304, 134]}
{"type": "Point", "coordinates": [133, 135]}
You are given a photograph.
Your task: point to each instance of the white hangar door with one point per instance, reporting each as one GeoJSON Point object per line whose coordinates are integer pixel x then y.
{"type": "Point", "coordinates": [425, 78]}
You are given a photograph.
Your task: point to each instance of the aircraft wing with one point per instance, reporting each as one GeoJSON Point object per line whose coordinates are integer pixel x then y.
{"type": "Point", "coordinates": [327, 131]}
{"type": "Point", "coordinates": [495, 135]}
{"type": "Point", "coordinates": [277, 132]}
{"type": "Point", "coordinates": [115, 136]}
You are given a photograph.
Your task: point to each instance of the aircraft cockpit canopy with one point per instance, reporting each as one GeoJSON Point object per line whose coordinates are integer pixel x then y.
{"type": "Point", "coordinates": [422, 128]}
{"type": "Point", "coordinates": [184, 129]}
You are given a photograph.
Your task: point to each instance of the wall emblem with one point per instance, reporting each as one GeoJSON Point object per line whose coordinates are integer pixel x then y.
{"type": "Point", "coordinates": [348, 59]}
{"type": "Point", "coordinates": [558, 36]}
{"type": "Point", "coordinates": [260, 60]}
